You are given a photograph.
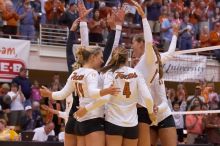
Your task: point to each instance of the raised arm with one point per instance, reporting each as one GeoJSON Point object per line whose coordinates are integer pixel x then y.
{"type": "Point", "coordinates": [118, 18]}
{"type": "Point", "coordinates": [59, 95]}
{"type": "Point", "coordinates": [169, 54]}
{"type": "Point", "coordinates": [69, 45]}
{"type": "Point", "coordinates": [84, 31]}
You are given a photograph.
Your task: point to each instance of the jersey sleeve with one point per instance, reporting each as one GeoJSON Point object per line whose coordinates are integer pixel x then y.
{"type": "Point", "coordinates": [84, 34]}
{"type": "Point", "coordinates": [65, 92]}
{"type": "Point", "coordinates": [62, 115]}
{"type": "Point", "coordinates": [108, 81]}
{"type": "Point", "coordinates": [169, 54]}
{"type": "Point", "coordinates": [144, 93]}
{"type": "Point", "coordinates": [92, 81]}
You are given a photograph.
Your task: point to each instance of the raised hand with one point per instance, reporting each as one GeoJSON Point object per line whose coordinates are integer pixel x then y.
{"type": "Point", "coordinates": [119, 15]}
{"type": "Point", "coordinates": [45, 92]}
{"type": "Point", "coordinates": [176, 27]}
{"type": "Point", "coordinates": [45, 107]}
{"type": "Point", "coordinates": [138, 8]}
{"type": "Point", "coordinates": [75, 24]}
{"type": "Point", "coordinates": [111, 21]}
{"type": "Point", "coordinates": [83, 12]}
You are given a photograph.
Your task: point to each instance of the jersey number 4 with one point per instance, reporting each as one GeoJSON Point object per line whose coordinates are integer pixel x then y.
{"type": "Point", "coordinates": [79, 89]}
{"type": "Point", "coordinates": [126, 90]}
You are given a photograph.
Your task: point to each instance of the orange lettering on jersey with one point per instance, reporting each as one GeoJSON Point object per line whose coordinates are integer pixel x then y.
{"type": "Point", "coordinates": [121, 75]}
{"type": "Point", "coordinates": [126, 90]}
{"type": "Point", "coordinates": [77, 77]}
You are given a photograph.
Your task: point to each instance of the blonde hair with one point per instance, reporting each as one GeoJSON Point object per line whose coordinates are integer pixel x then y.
{"type": "Point", "coordinates": [119, 57]}
{"type": "Point", "coordinates": [83, 54]}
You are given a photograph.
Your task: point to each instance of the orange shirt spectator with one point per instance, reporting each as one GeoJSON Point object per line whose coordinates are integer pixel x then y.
{"type": "Point", "coordinates": [2, 5]}
{"type": "Point", "coordinates": [11, 18]}
{"type": "Point", "coordinates": [54, 10]}
{"type": "Point", "coordinates": [204, 37]}
{"type": "Point", "coordinates": [194, 125]}
{"type": "Point", "coordinates": [96, 27]}
{"type": "Point", "coordinates": [215, 35]}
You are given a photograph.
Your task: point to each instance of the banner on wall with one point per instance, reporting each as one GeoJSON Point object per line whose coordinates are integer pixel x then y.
{"type": "Point", "coordinates": [185, 68]}
{"type": "Point", "coordinates": [14, 54]}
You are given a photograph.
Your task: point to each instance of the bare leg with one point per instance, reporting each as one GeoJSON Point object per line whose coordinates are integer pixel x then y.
{"type": "Point", "coordinates": [153, 137]}
{"type": "Point", "coordinates": [95, 139]}
{"type": "Point", "coordinates": [70, 140]}
{"type": "Point", "coordinates": [130, 142]}
{"type": "Point", "coordinates": [168, 136]}
{"type": "Point", "coordinates": [81, 141]}
{"type": "Point", "coordinates": [143, 134]}
{"type": "Point", "coordinates": [113, 140]}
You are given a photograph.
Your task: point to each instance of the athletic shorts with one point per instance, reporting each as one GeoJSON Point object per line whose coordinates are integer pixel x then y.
{"type": "Point", "coordinates": [69, 127]}
{"type": "Point", "coordinates": [166, 123]}
{"type": "Point", "coordinates": [143, 116]}
{"type": "Point", "coordinates": [125, 132]}
{"type": "Point", "coordinates": [86, 127]}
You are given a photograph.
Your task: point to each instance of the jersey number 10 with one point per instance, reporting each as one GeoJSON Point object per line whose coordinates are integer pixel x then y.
{"type": "Point", "coordinates": [79, 89]}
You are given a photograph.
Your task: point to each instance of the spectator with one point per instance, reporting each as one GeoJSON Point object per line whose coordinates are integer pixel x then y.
{"type": "Point", "coordinates": [171, 95]}
{"type": "Point", "coordinates": [42, 133]}
{"type": "Point", "coordinates": [27, 21]}
{"type": "Point", "coordinates": [179, 121]}
{"type": "Point", "coordinates": [25, 84]}
{"type": "Point", "coordinates": [195, 98]}
{"type": "Point", "coordinates": [36, 114]}
{"type": "Point", "coordinates": [213, 100]}
{"type": "Point", "coordinates": [153, 14]}
{"type": "Point", "coordinates": [212, 123]}
{"type": "Point", "coordinates": [186, 34]}
{"type": "Point", "coordinates": [203, 14]}
{"type": "Point", "coordinates": [216, 17]}
{"type": "Point", "coordinates": [54, 10]}
{"type": "Point", "coordinates": [5, 101]}
{"type": "Point", "coordinates": [11, 18]}
{"type": "Point", "coordinates": [17, 106]}
{"type": "Point", "coordinates": [194, 125]}
{"type": "Point", "coordinates": [2, 5]}
{"type": "Point", "coordinates": [69, 16]}
{"type": "Point", "coordinates": [61, 134]}
{"type": "Point", "coordinates": [27, 121]}
{"type": "Point", "coordinates": [96, 27]}
{"type": "Point", "coordinates": [56, 82]}
{"type": "Point", "coordinates": [43, 19]}
{"type": "Point", "coordinates": [35, 92]}
{"type": "Point", "coordinates": [56, 105]}
{"type": "Point", "coordinates": [7, 134]}
{"type": "Point", "coordinates": [204, 37]}
{"type": "Point", "coordinates": [167, 31]}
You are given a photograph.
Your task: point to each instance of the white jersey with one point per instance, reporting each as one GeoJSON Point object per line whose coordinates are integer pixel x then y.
{"type": "Point", "coordinates": [121, 110]}
{"type": "Point", "coordinates": [84, 82]}
{"type": "Point", "coordinates": [149, 68]}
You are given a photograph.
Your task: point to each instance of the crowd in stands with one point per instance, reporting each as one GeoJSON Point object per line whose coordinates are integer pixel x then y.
{"type": "Point", "coordinates": [199, 20]}
{"type": "Point", "coordinates": [20, 107]}
{"type": "Point", "coordinates": [199, 27]}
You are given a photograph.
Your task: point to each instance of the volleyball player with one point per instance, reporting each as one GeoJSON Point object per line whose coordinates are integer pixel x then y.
{"type": "Point", "coordinates": [121, 121]}
{"type": "Point", "coordinates": [150, 65]}
{"type": "Point", "coordinates": [84, 81]}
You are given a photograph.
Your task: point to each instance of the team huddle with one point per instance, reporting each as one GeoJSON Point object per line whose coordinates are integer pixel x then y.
{"type": "Point", "coordinates": [114, 104]}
